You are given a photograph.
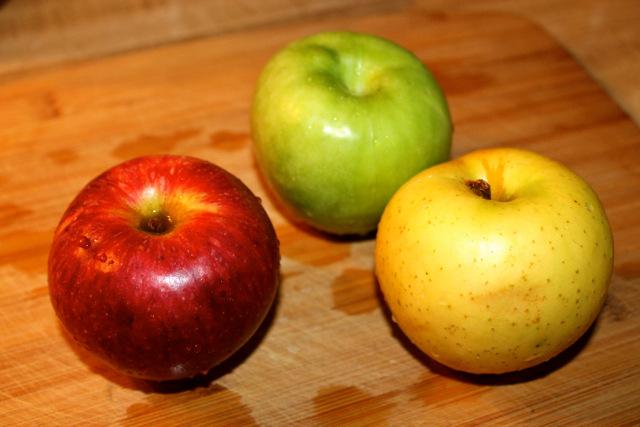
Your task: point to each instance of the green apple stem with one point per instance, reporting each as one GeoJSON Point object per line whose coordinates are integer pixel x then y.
{"type": "Point", "coordinates": [481, 188]}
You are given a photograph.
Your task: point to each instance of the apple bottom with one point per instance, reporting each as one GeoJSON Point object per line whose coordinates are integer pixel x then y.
{"type": "Point", "coordinates": [159, 327]}
{"type": "Point", "coordinates": [498, 340]}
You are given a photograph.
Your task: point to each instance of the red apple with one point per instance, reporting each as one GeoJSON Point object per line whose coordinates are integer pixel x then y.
{"type": "Point", "coordinates": [164, 266]}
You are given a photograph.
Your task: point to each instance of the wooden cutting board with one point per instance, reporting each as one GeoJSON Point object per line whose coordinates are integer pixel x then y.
{"type": "Point", "coordinates": [328, 353]}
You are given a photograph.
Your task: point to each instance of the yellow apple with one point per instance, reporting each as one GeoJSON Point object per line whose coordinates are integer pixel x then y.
{"type": "Point", "coordinates": [496, 261]}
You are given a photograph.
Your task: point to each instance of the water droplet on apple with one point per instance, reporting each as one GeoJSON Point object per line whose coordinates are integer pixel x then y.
{"type": "Point", "coordinates": [196, 348]}
{"type": "Point", "coordinates": [102, 257]}
{"type": "Point", "coordinates": [588, 207]}
{"type": "Point", "coordinates": [204, 372]}
{"type": "Point", "coordinates": [84, 242]}
{"type": "Point", "coordinates": [188, 348]}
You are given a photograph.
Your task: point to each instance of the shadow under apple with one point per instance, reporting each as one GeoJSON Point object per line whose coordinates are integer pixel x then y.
{"type": "Point", "coordinates": [525, 375]}
{"type": "Point", "coordinates": [96, 366]}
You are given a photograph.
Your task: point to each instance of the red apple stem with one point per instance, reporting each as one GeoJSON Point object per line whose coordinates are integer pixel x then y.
{"type": "Point", "coordinates": [160, 223]}
{"type": "Point", "coordinates": [481, 188]}
{"type": "Point", "coordinates": [156, 226]}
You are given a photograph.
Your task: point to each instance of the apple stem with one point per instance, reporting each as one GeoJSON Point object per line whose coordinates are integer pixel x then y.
{"type": "Point", "coordinates": [155, 226]}
{"type": "Point", "coordinates": [481, 188]}
{"type": "Point", "coordinates": [160, 223]}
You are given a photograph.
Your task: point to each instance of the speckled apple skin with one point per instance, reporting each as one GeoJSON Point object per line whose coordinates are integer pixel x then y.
{"type": "Point", "coordinates": [167, 306]}
{"type": "Point", "coordinates": [493, 286]}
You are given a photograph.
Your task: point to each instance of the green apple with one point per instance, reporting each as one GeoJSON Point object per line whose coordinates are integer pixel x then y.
{"type": "Point", "coordinates": [496, 261]}
{"type": "Point", "coordinates": [339, 121]}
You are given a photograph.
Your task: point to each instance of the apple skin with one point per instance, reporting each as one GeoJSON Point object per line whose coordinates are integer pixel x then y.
{"type": "Point", "coordinates": [499, 285]}
{"type": "Point", "coordinates": [163, 306]}
{"type": "Point", "coordinates": [339, 121]}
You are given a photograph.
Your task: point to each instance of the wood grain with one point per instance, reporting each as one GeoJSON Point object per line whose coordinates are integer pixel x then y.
{"type": "Point", "coordinates": [328, 353]}
{"type": "Point", "coordinates": [35, 33]}
{"type": "Point", "coordinates": [602, 35]}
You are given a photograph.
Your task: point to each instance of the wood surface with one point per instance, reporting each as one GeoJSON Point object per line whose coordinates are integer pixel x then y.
{"type": "Point", "coordinates": [328, 353]}
{"type": "Point", "coordinates": [35, 33]}
{"type": "Point", "coordinates": [602, 34]}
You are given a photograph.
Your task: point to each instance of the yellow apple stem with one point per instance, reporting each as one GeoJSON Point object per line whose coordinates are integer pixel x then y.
{"type": "Point", "coordinates": [481, 188]}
